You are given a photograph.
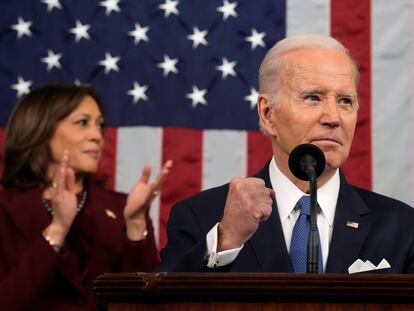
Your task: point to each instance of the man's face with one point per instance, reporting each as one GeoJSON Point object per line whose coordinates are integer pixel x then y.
{"type": "Point", "coordinates": [316, 103]}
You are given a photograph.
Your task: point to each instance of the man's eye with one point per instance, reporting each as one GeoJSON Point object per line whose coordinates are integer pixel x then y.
{"type": "Point", "coordinates": [313, 98]}
{"type": "Point", "coordinates": [345, 101]}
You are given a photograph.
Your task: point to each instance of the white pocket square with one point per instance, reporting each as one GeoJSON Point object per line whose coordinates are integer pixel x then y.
{"type": "Point", "coordinates": [361, 266]}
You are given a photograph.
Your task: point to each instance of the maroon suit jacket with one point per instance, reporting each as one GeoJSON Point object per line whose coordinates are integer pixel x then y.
{"type": "Point", "coordinates": [34, 277]}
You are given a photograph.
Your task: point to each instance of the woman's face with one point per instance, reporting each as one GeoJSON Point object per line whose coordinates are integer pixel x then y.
{"type": "Point", "coordinates": [81, 134]}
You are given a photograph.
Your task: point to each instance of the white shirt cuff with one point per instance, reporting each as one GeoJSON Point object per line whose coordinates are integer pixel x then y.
{"type": "Point", "coordinates": [221, 258]}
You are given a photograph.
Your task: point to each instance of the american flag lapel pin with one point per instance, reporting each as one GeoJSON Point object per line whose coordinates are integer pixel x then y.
{"type": "Point", "coordinates": [352, 224]}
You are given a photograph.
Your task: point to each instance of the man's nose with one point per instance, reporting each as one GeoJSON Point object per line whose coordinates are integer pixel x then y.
{"type": "Point", "coordinates": [330, 114]}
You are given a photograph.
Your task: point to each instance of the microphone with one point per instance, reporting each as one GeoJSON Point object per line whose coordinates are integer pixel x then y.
{"type": "Point", "coordinates": [307, 162]}
{"type": "Point", "coordinates": [304, 156]}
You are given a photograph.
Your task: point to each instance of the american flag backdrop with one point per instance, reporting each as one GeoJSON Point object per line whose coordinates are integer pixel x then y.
{"type": "Point", "coordinates": [178, 79]}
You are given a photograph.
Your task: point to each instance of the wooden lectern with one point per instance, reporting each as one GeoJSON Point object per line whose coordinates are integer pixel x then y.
{"type": "Point", "coordinates": [253, 292]}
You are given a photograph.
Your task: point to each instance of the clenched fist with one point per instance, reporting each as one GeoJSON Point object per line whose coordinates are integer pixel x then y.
{"type": "Point", "coordinates": [248, 203]}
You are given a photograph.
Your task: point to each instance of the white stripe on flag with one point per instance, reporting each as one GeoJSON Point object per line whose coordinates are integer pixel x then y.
{"type": "Point", "coordinates": [137, 146]}
{"type": "Point", "coordinates": [392, 117]}
{"type": "Point", "coordinates": [310, 16]}
{"type": "Point", "coordinates": [224, 156]}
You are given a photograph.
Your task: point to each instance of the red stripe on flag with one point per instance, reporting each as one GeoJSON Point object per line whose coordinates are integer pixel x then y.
{"type": "Point", "coordinates": [259, 150]}
{"type": "Point", "coordinates": [184, 147]}
{"type": "Point", "coordinates": [108, 160]}
{"type": "Point", "coordinates": [351, 24]}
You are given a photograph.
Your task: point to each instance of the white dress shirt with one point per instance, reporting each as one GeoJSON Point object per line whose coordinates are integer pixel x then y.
{"type": "Point", "coordinates": [287, 196]}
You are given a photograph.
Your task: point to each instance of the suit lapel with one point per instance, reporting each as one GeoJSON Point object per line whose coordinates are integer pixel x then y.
{"type": "Point", "coordinates": [268, 243]}
{"type": "Point", "coordinates": [346, 240]}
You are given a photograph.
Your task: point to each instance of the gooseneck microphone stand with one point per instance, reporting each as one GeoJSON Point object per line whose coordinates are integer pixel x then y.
{"type": "Point", "coordinates": [313, 240]}
{"type": "Point", "coordinates": [307, 162]}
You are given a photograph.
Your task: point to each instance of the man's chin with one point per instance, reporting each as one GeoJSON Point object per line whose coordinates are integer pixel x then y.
{"type": "Point", "coordinates": [333, 159]}
{"type": "Point", "coordinates": [333, 164]}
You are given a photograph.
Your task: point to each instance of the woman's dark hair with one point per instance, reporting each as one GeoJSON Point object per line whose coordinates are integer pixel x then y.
{"type": "Point", "coordinates": [26, 154]}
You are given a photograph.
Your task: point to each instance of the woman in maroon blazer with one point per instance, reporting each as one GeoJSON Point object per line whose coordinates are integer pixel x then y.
{"type": "Point", "coordinates": [58, 229]}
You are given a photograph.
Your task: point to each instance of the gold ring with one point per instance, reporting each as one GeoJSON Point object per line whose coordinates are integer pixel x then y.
{"type": "Point", "coordinates": [55, 185]}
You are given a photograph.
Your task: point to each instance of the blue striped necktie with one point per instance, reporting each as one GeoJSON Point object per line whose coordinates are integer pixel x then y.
{"type": "Point", "coordinates": [299, 242]}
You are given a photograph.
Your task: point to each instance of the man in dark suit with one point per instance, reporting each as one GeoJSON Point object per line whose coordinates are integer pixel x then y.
{"type": "Point", "coordinates": [307, 94]}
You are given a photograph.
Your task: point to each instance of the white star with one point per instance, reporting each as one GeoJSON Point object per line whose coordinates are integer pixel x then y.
{"type": "Point", "coordinates": [169, 7]}
{"type": "Point", "coordinates": [80, 31]}
{"type": "Point", "coordinates": [256, 39]}
{"type": "Point", "coordinates": [168, 65]}
{"type": "Point", "coordinates": [110, 63]}
{"type": "Point", "coordinates": [110, 5]}
{"type": "Point", "coordinates": [22, 87]}
{"type": "Point", "coordinates": [52, 60]}
{"type": "Point", "coordinates": [197, 96]}
{"type": "Point", "coordinates": [228, 9]}
{"type": "Point", "coordinates": [252, 97]}
{"type": "Point", "coordinates": [198, 37]}
{"type": "Point", "coordinates": [139, 33]}
{"type": "Point", "coordinates": [51, 4]}
{"type": "Point", "coordinates": [227, 68]}
{"type": "Point", "coordinates": [22, 28]}
{"type": "Point", "coordinates": [138, 92]}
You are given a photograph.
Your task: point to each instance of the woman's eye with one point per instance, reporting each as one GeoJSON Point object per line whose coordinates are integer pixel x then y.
{"type": "Point", "coordinates": [82, 122]}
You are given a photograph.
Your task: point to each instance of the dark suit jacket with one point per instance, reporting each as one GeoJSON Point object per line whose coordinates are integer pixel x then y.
{"type": "Point", "coordinates": [386, 230]}
{"type": "Point", "coordinates": [34, 277]}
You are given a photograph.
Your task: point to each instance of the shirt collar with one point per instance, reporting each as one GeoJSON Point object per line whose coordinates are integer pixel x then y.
{"type": "Point", "coordinates": [287, 194]}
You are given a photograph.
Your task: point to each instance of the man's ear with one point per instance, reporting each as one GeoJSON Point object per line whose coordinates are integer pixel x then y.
{"type": "Point", "coordinates": [265, 110]}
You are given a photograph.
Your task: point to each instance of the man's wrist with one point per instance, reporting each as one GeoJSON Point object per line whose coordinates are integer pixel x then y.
{"type": "Point", "coordinates": [224, 240]}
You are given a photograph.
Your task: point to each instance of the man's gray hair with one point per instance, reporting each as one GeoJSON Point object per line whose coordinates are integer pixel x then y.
{"type": "Point", "coordinates": [271, 65]}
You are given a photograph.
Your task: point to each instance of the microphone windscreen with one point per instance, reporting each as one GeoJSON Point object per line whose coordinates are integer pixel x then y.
{"type": "Point", "coordinates": [297, 164]}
